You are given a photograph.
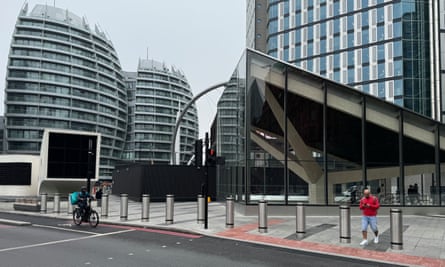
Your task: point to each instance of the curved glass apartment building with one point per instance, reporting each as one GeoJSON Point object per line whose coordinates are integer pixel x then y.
{"type": "Point", "coordinates": [159, 95]}
{"type": "Point", "coordinates": [63, 74]}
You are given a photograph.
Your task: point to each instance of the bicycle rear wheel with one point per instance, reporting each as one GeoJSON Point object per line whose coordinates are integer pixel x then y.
{"type": "Point", "coordinates": [77, 217]}
{"type": "Point", "coordinates": [94, 218]}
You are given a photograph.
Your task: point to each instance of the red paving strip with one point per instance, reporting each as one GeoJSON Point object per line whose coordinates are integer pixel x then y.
{"type": "Point", "coordinates": [241, 233]}
{"type": "Point", "coordinates": [157, 231]}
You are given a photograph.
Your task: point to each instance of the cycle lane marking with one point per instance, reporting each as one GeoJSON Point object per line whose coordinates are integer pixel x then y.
{"type": "Point", "coordinates": [64, 240]}
{"type": "Point", "coordinates": [64, 229]}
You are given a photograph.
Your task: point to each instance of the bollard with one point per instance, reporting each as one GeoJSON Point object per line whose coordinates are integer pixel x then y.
{"type": "Point", "coordinates": [345, 224]}
{"type": "Point", "coordinates": [56, 203]}
{"type": "Point", "coordinates": [230, 212]}
{"type": "Point", "coordinates": [169, 209]}
{"type": "Point", "coordinates": [104, 206]}
{"type": "Point", "coordinates": [201, 209]}
{"type": "Point", "coordinates": [43, 202]}
{"type": "Point", "coordinates": [396, 225]}
{"type": "Point", "coordinates": [70, 206]}
{"type": "Point", "coordinates": [145, 207]}
{"type": "Point", "coordinates": [262, 216]}
{"type": "Point", "coordinates": [300, 220]}
{"type": "Point", "coordinates": [124, 207]}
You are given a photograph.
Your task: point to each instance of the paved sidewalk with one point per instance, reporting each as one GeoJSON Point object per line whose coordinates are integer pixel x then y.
{"type": "Point", "coordinates": [423, 236]}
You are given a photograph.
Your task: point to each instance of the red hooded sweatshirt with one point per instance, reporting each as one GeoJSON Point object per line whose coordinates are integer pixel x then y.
{"type": "Point", "coordinates": [369, 205]}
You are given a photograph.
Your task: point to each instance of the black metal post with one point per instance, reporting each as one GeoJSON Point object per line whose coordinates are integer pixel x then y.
{"type": "Point", "coordinates": [89, 172]}
{"type": "Point", "coordinates": [206, 184]}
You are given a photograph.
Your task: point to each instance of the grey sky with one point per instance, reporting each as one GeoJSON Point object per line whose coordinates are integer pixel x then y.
{"type": "Point", "coordinates": [203, 38]}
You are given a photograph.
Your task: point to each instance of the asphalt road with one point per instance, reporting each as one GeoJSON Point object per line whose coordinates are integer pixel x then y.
{"type": "Point", "coordinates": [52, 242]}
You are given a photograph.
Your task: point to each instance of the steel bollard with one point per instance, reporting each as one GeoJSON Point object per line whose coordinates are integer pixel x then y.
{"type": "Point", "coordinates": [201, 209]}
{"type": "Point", "coordinates": [396, 225]}
{"type": "Point", "coordinates": [145, 207]}
{"type": "Point", "coordinates": [300, 220]}
{"type": "Point", "coordinates": [262, 216]}
{"type": "Point", "coordinates": [56, 203]}
{"type": "Point", "coordinates": [104, 206]}
{"type": "Point", "coordinates": [345, 224]}
{"type": "Point", "coordinates": [70, 206]}
{"type": "Point", "coordinates": [124, 207]}
{"type": "Point", "coordinates": [230, 212]}
{"type": "Point", "coordinates": [43, 202]}
{"type": "Point", "coordinates": [169, 209]}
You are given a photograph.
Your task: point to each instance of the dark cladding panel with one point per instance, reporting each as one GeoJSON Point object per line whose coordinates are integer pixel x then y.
{"type": "Point", "coordinates": [15, 173]}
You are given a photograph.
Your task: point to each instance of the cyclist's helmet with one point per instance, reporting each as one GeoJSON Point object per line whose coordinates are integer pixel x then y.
{"type": "Point", "coordinates": [83, 189]}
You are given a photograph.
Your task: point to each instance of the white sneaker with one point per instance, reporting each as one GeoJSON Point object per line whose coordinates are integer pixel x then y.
{"type": "Point", "coordinates": [376, 239]}
{"type": "Point", "coordinates": [364, 243]}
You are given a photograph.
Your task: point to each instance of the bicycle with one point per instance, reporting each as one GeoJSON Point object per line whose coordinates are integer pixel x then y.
{"type": "Point", "coordinates": [89, 215]}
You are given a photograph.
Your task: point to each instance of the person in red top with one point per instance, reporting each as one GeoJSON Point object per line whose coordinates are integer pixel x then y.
{"type": "Point", "coordinates": [369, 205]}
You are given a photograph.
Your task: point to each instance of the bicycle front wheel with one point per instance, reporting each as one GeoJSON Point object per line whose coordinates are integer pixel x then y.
{"type": "Point", "coordinates": [77, 216]}
{"type": "Point", "coordinates": [94, 218]}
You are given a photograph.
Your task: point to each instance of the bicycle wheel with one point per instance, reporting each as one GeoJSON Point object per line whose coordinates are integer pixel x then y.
{"type": "Point", "coordinates": [77, 217]}
{"type": "Point", "coordinates": [94, 218]}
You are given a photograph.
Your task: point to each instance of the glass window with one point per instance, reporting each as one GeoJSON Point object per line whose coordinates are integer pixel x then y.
{"type": "Point", "coordinates": [322, 46]}
{"type": "Point", "coordinates": [323, 12]}
{"type": "Point", "coordinates": [323, 29]}
{"type": "Point", "coordinates": [397, 29]}
{"type": "Point", "coordinates": [398, 67]}
{"type": "Point", "coordinates": [350, 5]}
{"type": "Point", "coordinates": [365, 36]}
{"type": "Point", "coordinates": [337, 42]}
{"type": "Point", "coordinates": [351, 77]}
{"type": "Point", "coordinates": [365, 18]}
{"type": "Point", "coordinates": [365, 55]}
{"type": "Point", "coordinates": [381, 92]}
{"type": "Point", "coordinates": [381, 70]}
{"type": "Point", "coordinates": [310, 33]}
{"type": "Point", "coordinates": [365, 73]}
{"type": "Point", "coordinates": [380, 14]}
{"type": "Point", "coordinates": [350, 58]}
{"type": "Point", "coordinates": [273, 26]}
{"type": "Point", "coordinates": [351, 39]}
{"type": "Point", "coordinates": [397, 10]}
{"type": "Point", "coordinates": [350, 22]}
{"type": "Point", "coordinates": [337, 60]}
{"type": "Point", "coordinates": [381, 33]}
{"type": "Point", "coordinates": [273, 11]}
{"type": "Point", "coordinates": [381, 52]}
{"type": "Point", "coordinates": [336, 9]}
{"type": "Point", "coordinates": [336, 26]}
{"type": "Point", "coordinates": [398, 87]}
{"type": "Point", "coordinates": [310, 49]}
{"type": "Point", "coordinates": [273, 43]}
{"type": "Point", "coordinates": [398, 50]}
{"type": "Point", "coordinates": [322, 64]}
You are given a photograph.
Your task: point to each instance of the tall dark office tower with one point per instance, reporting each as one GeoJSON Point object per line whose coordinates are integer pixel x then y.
{"type": "Point", "coordinates": [389, 49]}
{"type": "Point", "coordinates": [63, 74]}
{"type": "Point", "coordinates": [157, 94]}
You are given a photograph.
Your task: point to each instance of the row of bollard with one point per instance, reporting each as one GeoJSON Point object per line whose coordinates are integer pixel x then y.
{"type": "Point", "coordinates": [396, 223]}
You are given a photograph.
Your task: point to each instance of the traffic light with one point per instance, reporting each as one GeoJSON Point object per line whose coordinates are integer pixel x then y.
{"type": "Point", "coordinates": [198, 153]}
{"type": "Point", "coordinates": [211, 157]}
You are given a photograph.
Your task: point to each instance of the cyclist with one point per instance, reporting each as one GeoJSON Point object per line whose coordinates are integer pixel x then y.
{"type": "Point", "coordinates": [83, 200]}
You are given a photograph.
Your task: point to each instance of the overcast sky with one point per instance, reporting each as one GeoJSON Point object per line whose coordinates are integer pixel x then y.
{"type": "Point", "coordinates": [203, 38]}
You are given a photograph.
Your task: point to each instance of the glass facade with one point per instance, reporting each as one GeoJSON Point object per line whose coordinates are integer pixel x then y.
{"type": "Point", "coordinates": [296, 136]}
{"type": "Point", "coordinates": [62, 74]}
{"type": "Point", "coordinates": [156, 95]}
{"type": "Point", "coordinates": [379, 47]}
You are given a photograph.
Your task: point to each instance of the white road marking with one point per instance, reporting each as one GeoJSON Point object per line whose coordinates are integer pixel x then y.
{"type": "Point", "coordinates": [64, 229]}
{"type": "Point", "coordinates": [64, 240]}
{"type": "Point", "coordinates": [130, 254]}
